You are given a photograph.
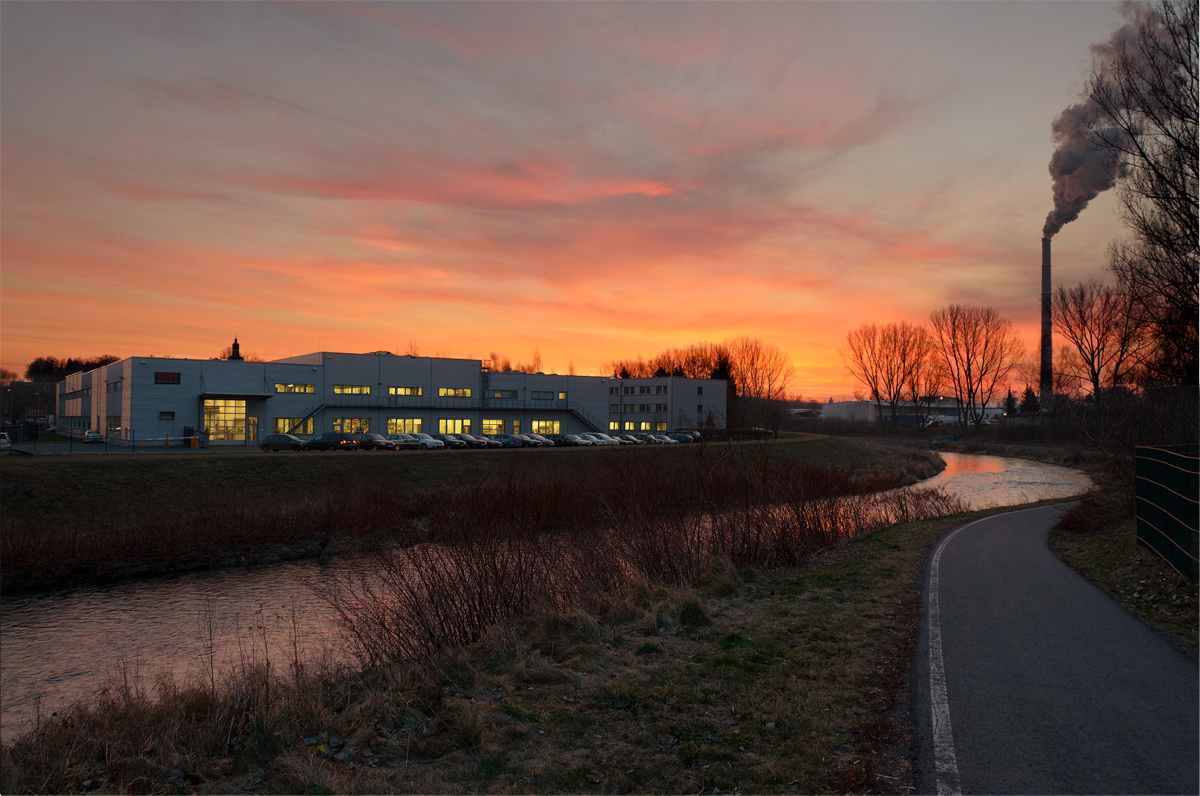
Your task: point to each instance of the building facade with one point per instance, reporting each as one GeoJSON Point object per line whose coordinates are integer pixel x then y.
{"type": "Point", "coordinates": [235, 402]}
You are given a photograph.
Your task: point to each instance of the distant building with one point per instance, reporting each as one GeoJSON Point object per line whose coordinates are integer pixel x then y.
{"type": "Point", "coordinates": [943, 411]}
{"type": "Point", "coordinates": [236, 402]}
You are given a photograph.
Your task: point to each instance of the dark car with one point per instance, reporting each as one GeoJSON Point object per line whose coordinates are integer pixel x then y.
{"type": "Point", "coordinates": [632, 440]}
{"type": "Point", "coordinates": [330, 441]}
{"type": "Point", "coordinates": [509, 440]}
{"type": "Point", "coordinates": [683, 437]}
{"type": "Point", "coordinates": [373, 442]}
{"type": "Point", "coordinates": [404, 441]}
{"type": "Point", "coordinates": [531, 441]}
{"type": "Point", "coordinates": [547, 442]}
{"type": "Point", "coordinates": [281, 442]}
{"type": "Point", "coordinates": [575, 439]}
{"type": "Point", "coordinates": [472, 442]}
{"type": "Point", "coordinates": [450, 441]}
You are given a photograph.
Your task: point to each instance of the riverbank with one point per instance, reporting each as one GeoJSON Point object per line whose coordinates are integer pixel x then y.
{"type": "Point", "coordinates": [70, 520]}
{"type": "Point", "coordinates": [793, 680]}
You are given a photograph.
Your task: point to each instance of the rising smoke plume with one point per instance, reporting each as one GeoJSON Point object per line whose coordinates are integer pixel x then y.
{"type": "Point", "coordinates": [1079, 168]}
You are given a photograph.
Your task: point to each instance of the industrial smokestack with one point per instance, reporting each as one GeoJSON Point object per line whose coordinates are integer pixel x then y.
{"type": "Point", "coordinates": [1047, 371]}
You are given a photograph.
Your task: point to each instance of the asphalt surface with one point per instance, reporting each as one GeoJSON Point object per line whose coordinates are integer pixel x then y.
{"type": "Point", "coordinates": [1049, 685]}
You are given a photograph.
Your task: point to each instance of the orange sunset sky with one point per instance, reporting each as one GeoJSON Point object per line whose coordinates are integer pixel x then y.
{"type": "Point", "coordinates": [593, 180]}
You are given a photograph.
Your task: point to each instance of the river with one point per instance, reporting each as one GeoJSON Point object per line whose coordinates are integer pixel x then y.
{"type": "Point", "coordinates": [60, 647]}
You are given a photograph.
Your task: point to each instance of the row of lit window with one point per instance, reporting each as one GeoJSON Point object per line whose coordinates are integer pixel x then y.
{"type": "Point", "coordinates": [628, 425]}
{"type": "Point", "coordinates": [351, 389]}
{"type": "Point", "coordinates": [293, 388]}
{"type": "Point", "coordinates": [293, 425]}
{"type": "Point", "coordinates": [454, 392]}
{"type": "Point", "coordinates": [405, 391]}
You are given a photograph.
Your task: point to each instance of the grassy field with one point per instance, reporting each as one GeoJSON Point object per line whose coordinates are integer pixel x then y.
{"type": "Point", "coordinates": [94, 517]}
{"type": "Point", "coordinates": [789, 681]}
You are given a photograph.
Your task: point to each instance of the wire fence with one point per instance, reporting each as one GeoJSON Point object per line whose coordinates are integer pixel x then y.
{"type": "Point", "coordinates": [1168, 505]}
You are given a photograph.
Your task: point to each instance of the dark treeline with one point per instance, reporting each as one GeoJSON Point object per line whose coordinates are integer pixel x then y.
{"type": "Point", "coordinates": [53, 369]}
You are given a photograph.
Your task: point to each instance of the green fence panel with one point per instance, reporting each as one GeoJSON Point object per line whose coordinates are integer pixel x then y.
{"type": "Point", "coordinates": [1168, 505]}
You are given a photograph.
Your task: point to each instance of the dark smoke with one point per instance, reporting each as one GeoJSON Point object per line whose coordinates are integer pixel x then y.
{"type": "Point", "coordinates": [1081, 170]}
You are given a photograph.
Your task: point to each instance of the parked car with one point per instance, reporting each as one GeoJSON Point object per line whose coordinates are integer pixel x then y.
{"type": "Point", "coordinates": [428, 443]}
{"type": "Point", "coordinates": [529, 440]}
{"type": "Point", "coordinates": [404, 441]}
{"type": "Point", "coordinates": [664, 438]}
{"type": "Point", "coordinates": [508, 440]}
{"type": "Point", "coordinates": [632, 440]}
{"type": "Point", "coordinates": [472, 442]}
{"type": "Point", "coordinates": [92, 437]}
{"type": "Point", "coordinates": [373, 442]}
{"type": "Point", "coordinates": [330, 441]}
{"type": "Point", "coordinates": [281, 442]}
{"type": "Point", "coordinates": [450, 441]}
{"type": "Point", "coordinates": [546, 441]}
{"type": "Point", "coordinates": [682, 437]}
{"type": "Point", "coordinates": [575, 439]}
{"type": "Point", "coordinates": [491, 443]}
{"type": "Point", "coordinates": [5, 445]}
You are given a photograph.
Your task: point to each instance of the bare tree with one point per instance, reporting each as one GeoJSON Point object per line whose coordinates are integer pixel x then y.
{"type": "Point", "coordinates": [888, 360]}
{"type": "Point", "coordinates": [1143, 92]}
{"type": "Point", "coordinates": [1105, 327]}
{"type": "Point", "coordinates": [977, 349]}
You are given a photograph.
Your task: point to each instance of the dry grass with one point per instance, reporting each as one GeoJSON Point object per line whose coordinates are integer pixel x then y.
{"type": "Point", "coordinates": [788, 681]}
{"type": "Point", "coordinates": [74, 519]}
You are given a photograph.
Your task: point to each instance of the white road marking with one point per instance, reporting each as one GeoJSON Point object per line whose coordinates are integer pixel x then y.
{"type": "Point", "coordinates": [944, 760]}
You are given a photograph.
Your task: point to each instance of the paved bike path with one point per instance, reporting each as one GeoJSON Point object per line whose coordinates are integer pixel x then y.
{"type": "Point", "coordinates": [1049, 685]}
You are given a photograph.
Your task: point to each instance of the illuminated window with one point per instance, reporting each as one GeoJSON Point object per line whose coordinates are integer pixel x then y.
{"type": "Point", "coordinates": [446, 426]}
{"type": "Point", "coordinates": [629, 425]}
{"type": "Point", "coordinates": [541, 395]}
{"type": "Point", "coordinates": [293, 425]}
{"type": "Point", "coordinates": [492, 426]}
{"type": "Point", "coordinates": [562, 396]}
{"type": "Point", "coordinates": [113, 422]}
{"type": "Point", "coordinates": [404, 425]}
{"type": "Point", "coordinates": [545, 427]}
{"type": "Point", "coordinates": [660, 426]}
{"type": "Point", "coordinates": [404, 391]}
{"type": "Point", "coordinates": [351, 389]}
{"type": "Point", "coordinates": [516, 426]}
{"type": "Point", "coordinates": [643, 426]}
{"type": "Point", "coordinates": [454, 392]}
{"type": "Point", "coordinates": [614, 425]}
{"type": "Point", "coordinates": [293, 388]}
{"type": "Point", "coordinates": [225, 419]}
{"type": "Point", "coordinates": [502, 394]}
{"type": "Point", "coordinates": [352, 425]}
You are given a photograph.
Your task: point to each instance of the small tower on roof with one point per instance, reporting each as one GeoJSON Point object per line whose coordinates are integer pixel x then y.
{"type": "Point", "coordinates": [235, 353]}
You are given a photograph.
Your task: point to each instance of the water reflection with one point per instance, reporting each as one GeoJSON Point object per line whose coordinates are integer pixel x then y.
{"type": "Point", "coordinates": [61, 647]}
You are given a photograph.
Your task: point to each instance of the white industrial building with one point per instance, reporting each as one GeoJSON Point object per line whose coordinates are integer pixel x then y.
{"type": "Point", "coordinates": [234, 402]}
{"type": "Point", "coordinates": [944, 411]}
